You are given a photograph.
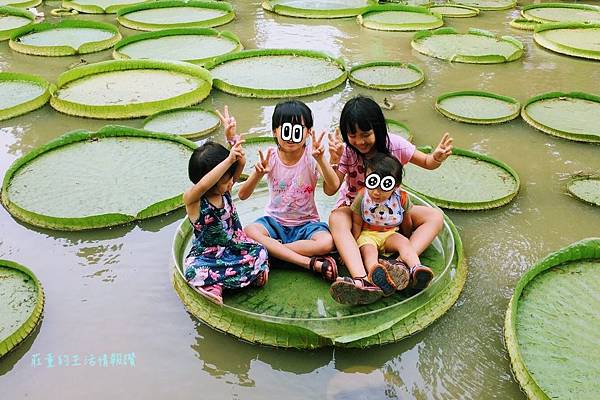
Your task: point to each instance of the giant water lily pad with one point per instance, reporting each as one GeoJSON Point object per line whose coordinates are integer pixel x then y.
{"type": "Point", "coordinates": [551, 325]}
{"type": "Point", "coordinates": [21, 93]}
{"type": "Point", "coordinates": [476, 46]}
{"type": "Point", "coordinates": [465, 181]}
{"type": "Point", "coordinates": [21, 3]}
{"type": "Point", "coordinates": [276, 73]}
{"type": "Point", "coordinates": [398, 128]}
{"type": "Point", "coordinates": [152, 16]}
{"type": "Point", "coordinates": [561, 12]}
{"type": "Point", "coordinates": [129, 88]}
{"type": "Point", "coordinates": [488, 5]}
{"type": "Point", "coordinates": [99, 6]}
{"type": "Point", "coordinates": [13, 19]}
{"type": "Point", "coordinates": [571, 116]}
{"type": "Point", "coordinates": [251, 147]}
{"type": "Point", "coordinates": [85, 180]}
{"type": "Point", "coordinates": [318, 8]}
{"type": "Point", "coordinates": [387, 75]}
{"type": "Point", "coordinates": [570, 38]}
{"type": "Point", "coordinates": [21, 302]}
{"type": "Point", "coordinates": [397, 17]}
{"type": "Point", "coordinates": [585, 188]}
{"type": "Point", "coordinates": [449, 10]}
{"type": "Point", "coordinates": [65, 38]}
{"type": "Point", "coordinates": [477, 107]}
{"type": "Point", "coordinates": [524, 24]}
{"type": "Point", "coordinates": [296, 310]}
{"type": "Point", "coordinates": [190, 122]}
{"type": "Point", "coordinates": [195, 45]}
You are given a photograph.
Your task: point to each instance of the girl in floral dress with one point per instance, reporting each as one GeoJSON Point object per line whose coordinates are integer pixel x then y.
{"type": "Point", "coordinates": [222, 256]}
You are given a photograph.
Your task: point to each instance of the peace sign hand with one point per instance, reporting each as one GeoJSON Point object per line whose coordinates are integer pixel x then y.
{"type": "Point", "coordinates": [318, 150]}
{"type": "Point", "coordinates": [336, 146]}
{"type": "Point", "coordinates": [262, 166]}
{"type": "Point", "coordinates": [236, 152]}
{"type": "Point", "coordinates": [444, 149]}
{"type": "Point", "coordinates": [229, 125]}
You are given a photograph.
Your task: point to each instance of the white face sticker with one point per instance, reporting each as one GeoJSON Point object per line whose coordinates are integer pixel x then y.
{"type": "Point", "coordinates": [292, 133]}
{"type": "Point", "coordinates": [386, 183]}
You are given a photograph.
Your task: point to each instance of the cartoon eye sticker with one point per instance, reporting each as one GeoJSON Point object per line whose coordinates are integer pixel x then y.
{"type": "Point", "coordinates": [292, 133]}
{"type": "Point", "coordinates": [372, 181]}
{"type": "Point", "coordinates": [386, 183]}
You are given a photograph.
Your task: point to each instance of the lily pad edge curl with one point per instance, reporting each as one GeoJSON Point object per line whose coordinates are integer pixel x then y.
{"type": "Point", "coordinates": [29, 105]}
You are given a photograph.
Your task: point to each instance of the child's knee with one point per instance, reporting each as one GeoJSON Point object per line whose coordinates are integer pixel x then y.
{"type": "Point", "coordinates": [323, 243]}
{"type": "Point", "coordinates": [254, 231]}
{"type": "Point", "coordinates": [437, 217]}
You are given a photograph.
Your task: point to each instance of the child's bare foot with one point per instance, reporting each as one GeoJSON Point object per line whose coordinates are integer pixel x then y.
{"type": "Point", "coordinates": [390, 275]}
{"type": "Point", "coordinates": [213, 293]}
{"type": "Point", "coordinates": [324, 266]}
{"type": "Point", "coordinates": [420, 276]}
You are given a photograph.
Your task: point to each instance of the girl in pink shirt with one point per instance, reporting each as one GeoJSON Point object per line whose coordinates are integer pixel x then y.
{"type": "Point", "coordinates": [364, 132]}
{"type": "Point", "coordinates": [291, 229]}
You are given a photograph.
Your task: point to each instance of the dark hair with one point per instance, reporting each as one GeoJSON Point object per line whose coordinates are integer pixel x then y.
{"type": "Point", "coordinates": [384, 165]}
{"type": "Point", "coordinates": [292, 111]}
{"type": "Point", "coordinates": [365, 113]}
{"type": "Point", "coordinates": [206, 158]}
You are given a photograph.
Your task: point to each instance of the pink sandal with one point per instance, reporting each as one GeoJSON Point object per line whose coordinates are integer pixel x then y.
{"type": "Point", "coordinates": [213, 293]}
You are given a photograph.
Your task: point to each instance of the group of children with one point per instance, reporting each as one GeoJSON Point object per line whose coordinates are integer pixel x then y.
{"type": "Point", "coordinates": [372, 216]}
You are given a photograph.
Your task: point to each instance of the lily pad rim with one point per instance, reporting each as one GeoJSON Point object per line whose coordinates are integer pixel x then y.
{"type": "Point", "coordinates": [577, 6]}
{"type": "Point", "coordinates": [512, 4]}
{"type": "Point", "coordinates": [478, 93]}
{"type": "Point", "coordinates": [24, 4]}
{"type": "Point", "coordinates": [179, 109]}
{"type": "Point", "coordinates": [410, 66]}
{"type": "Point", "coordinates": [476, 11]}
{"type": "Point", "coordinates": [285, 10]}
{"type": "Point", "coordinates": [402, 8]}
{"type": "Point", "coordinates": [95, 8]}
{"type": "Point", "coordinates": [391, 121]}
{"type": "Point", "coordinates": [581, 177]}
{"type": "Point", "coordinates": [29, 105]}
{"type": "Point", "coordinates": [5, 34]}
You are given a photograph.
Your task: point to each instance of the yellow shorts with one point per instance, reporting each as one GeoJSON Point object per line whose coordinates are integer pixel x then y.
{"type": "Point", "coordinates": [375, 238]}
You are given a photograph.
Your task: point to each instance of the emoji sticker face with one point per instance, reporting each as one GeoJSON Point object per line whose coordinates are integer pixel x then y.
{"type": "Point", "coordinates": [386, 183]}
{"type": "Point", "coordinates": [292, 133]}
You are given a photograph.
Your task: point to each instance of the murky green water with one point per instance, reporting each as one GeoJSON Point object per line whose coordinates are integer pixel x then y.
{"type": "Point", "coordinates": [109, 291]}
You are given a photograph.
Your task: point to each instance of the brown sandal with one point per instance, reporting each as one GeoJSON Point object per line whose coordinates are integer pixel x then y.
{"type": "Point", "coordinates": [346, 291]}
{"type": "Point", "coordinates": [390, 276]}
{"type": "Point", "coordinates": [328, 267]}
{"type": "Point", "coordinates": [420, 277]}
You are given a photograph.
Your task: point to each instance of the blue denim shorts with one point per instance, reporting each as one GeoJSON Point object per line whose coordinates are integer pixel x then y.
{"type": "Point", "coordinates": [289, 234]}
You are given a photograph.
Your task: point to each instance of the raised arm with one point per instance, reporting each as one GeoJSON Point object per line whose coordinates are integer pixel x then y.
{"type": "Point", "coordinates": [336, 149]}
{"type": "Point", "coordinates": [331, 181]}
{"type": "Point", "coordinates": [229, 126]}
{"type": "Point", "coordinates": [260, 169]}
{"type": "Point", "coordinates": [434, 159]}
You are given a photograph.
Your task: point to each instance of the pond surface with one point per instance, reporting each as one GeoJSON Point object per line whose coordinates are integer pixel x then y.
{"type": "Point", "coordinates": [109, 291]}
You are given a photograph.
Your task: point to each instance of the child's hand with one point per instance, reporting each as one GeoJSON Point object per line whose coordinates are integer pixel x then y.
{"type": "Point", "coordinates": [237, 152]}
{"type": "Point", "coordinates": [444, 149]}
{"type": "Point", "coordinates": [336, 147]}
{"type": "Point", "coordinates": [318, 150]}
{"type": "Point", "coordinates": [229, 125]}
{"type": "Point", "coordinates": [262, 166]}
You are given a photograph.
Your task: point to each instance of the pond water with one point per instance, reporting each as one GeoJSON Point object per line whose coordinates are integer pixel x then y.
{"type": "Point", "coordinates": [109, 291]}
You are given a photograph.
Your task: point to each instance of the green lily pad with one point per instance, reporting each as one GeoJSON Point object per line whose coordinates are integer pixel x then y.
{"type": "Point", "coordinates": [296, 310]}
{"type": "Point", "coordinates": [129, 88]}
{"type": "Point", "coordinates": [571, 116]}
{"type": "Point", "coordinates": [276, 73]}
{"type": "Point", "coordinates": [585, 188]}
{"type": "Point", "coordinates": [99, 6]}
{"type": "Point", "coordinates": [398, 128]}
{"type": "Point", "coordinates": [190, 122]}
{"type": "Point", "coordinates": [465, 181]}
{"type": "Point", "coordinates": [13, 19]}
{"type": "Point", "coordinates": [317, 8]}
{"type": "Point", "coordinates": [137, 174]}
{"type": "Point", "coordinates": [21, 302]}
{"type": "Point", "coordinates": [153, 16]}
{"type": "Point", "coordinates": [551, 325]}
{"type": "Point", "coordinates": [21, 93]}
{"type": "Point", "coordinates": [524, 24]}
{"type": "Point", "coordinates": [488, 5]}
{"type": "Point", "coordinates": [387, 75]}
{"type": "Point", "coordinates": [561, 12]}
{"type": "Point", "coordinates": [450, 10]}
{"type": "Point", "coordinates": [63, 12]}
{"type": "Point", "coordinates": [65, 38]}
{"type": "Point", "coordinates": [195, 45]}
{"type": "Point", "coordinates": [20, 4]}
{"type": "Point", "coordinates": [397, 17]}
{"type": "Point", "coordinates": [251, 147]}
{"type": "Point", "coordinates": [476, 47]}
{"type": "Point", "coordinates": [570, 38]}
{"type": "Point", "coordinates": [477, 107]}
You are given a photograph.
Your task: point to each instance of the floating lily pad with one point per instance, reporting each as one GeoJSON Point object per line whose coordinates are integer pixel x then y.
{"type": "Point", "coordinates": [586, 188]}
{"type": "Point", "coordinates": [397, 17]}
{"type": "Point", "coordinates": [477, 107]}
{"type": "Point", "coordinates": [524, 24]}
{"type": "Point", "coordinates": [387, 75]}
{"type": "Point", "coordinates": [251, 147]}
{"type": "Point", "coordinates": [86, 180]}
{"type": "Point", "coordinates": [317, 8]}
{"type": "Point", "coordinates": [63, 12]}
{"type": "Point", "coordinates": [276, 73]}
{"type": "Point", "coordinates": [195, 45]}
{"type": "Point", "coordinates": [450, 10]}
{"type": "Point", "coordinates": [419, 3]}
{"type": "Point", "coordinates": [561, 12]}
{"type": "Point", "coordinates": [476, 46]}
{"type": "Point", "coordinates": [398, 128]}
{"type": "Point", "coordinates": [552, 324]}
{"type": "Point", "coordinates": [488, 5]}
{"type": "Point", "coordinates": [65, 38]}
{"type": "Point", "coordinates": [99, 6]}
{"type": "Point", "coordinates": [296, 310]}
{"type": "Point", "coordinates": [570, 38]}
{"type": "Point", "coordinates": [20, 3]}
{"type": "Point", "coordinates": [571, 116]}
{"type": "Point", "coordinates": [153, 16]}
{"type": "Point", "coordinates": [129, 88]}
{"type": "Point", "coordinates": [465, 181]}
{"type": "Point", "coordinates": [21, 302]}
{"type": "Point", "coordinates": [12, 19]}
{"type": "Point", "coordinates": [190, 122]}
{"type": "Point", "coordinates": [21, 93]}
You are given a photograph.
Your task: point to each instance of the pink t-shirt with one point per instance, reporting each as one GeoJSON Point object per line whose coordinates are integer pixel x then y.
{"type": "Point", "coordinates": [292, 190]}
{"type": "Point", "coordinates": [352, 166]}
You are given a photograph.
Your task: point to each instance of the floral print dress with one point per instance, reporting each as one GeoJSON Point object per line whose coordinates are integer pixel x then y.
{"type": "Point", "coordinates": [221, 252]}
